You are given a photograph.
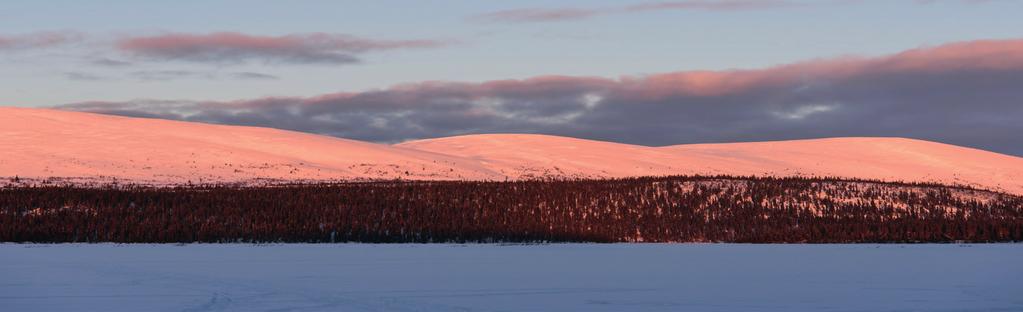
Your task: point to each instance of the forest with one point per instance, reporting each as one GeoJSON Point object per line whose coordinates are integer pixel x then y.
{"type": "Point", "coordinates": [648, 209]}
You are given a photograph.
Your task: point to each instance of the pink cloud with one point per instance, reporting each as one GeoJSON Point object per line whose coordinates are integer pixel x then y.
{"type": "Point", "coordinates": [231, 47]}
{"type": "Point", "coordinates": [37, 40]}
{"type": "Point", "coordinates": [561, 14]}
{"type": "Point", "coordinates": [965, 93]}
{"type": "Point", "coordinates": [538, 15]}
{"type": "Point", "coordinates": [529, 15]}
{"type": "Point", "coordinates": [709, 5]}
{"type": "Point", "coordinates": [972, 55]}
{"type": "Point", "coordinates": [992, 54]}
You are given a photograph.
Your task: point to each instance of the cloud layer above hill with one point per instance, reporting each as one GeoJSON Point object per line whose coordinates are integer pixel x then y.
{"type": "Point", "coordinates": [965, 93]}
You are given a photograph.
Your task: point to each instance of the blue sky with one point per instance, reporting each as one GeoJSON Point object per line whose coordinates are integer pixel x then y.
{"type": "Point", "coordinates": [640, 72]}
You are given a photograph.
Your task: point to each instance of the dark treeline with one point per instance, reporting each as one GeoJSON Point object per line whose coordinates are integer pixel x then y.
{"type": "Point", "coordinates": [663, 209]}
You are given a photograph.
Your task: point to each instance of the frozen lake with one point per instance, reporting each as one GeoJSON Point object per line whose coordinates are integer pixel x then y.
{"type": "Point", "coordinates": [569, 277]}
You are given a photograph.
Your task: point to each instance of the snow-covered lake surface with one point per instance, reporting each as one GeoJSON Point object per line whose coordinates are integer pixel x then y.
{"type": "Point", "coordinates": [561, 277]}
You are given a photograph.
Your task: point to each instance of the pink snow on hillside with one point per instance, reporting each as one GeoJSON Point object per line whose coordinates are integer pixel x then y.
{"type": "Point", "coordinates": [41, 143]}
{"type": "Point", "coordinates": [889, 159]}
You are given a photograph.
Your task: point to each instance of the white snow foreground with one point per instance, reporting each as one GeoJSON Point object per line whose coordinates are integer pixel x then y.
{"type": "Point", "coordinates": [571, 277]}
{"type": "Point", "coordinates": [38, 144]}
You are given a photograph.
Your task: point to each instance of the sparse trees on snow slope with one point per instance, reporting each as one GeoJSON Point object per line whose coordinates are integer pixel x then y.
{"type": "Point", "coordinates": [664, 209]}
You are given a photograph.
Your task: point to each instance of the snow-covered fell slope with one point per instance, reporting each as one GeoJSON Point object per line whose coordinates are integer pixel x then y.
{"type": "Point", "coordinates": [532, 155]}
{"type": "Point", "coordinates": [890, 159]}
{"type": "Point", "coordinates": [42, 143]}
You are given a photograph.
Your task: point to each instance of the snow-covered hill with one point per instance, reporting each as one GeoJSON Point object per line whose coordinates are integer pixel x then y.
{"type": "Point", "coordinates": [889, 159]}
{"type": "Point", "coordinates": [41, 143]}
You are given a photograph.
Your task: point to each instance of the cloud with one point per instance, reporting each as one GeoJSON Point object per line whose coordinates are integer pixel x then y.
{"type": "Point", "coordinates": [164, 75]}
{"type": "Point", "coordinates": [532, 15]}
{"type": "Point", "coordinates": [709, 5]}
{"type": "Point", "coordinates": [234, 48]}
{"type": "Point", "coordinates": [964, 93]}
{"type": "Point", "coordinates": [80, 76]}
{"type": "Point", "coordinates": [803, 112]}
{"type": "Point", "coordinates": [254, 76]}
{"type": "Point", "coordinates": [963, 1]}
{"type": "Point", "coordinates": [167, 75]}
{"type": "Point", "coordinates": [108, 62]}
{"type": "Point", "coordinates": [538, 15]}
{"type": "Point", "coordinates": [37, 40]}
{"type": "Point", "coordinates": [562, 14]}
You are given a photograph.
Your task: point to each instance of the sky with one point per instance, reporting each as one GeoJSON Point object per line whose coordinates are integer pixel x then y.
{"type": "Point", "coordinates": [640, 72]}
